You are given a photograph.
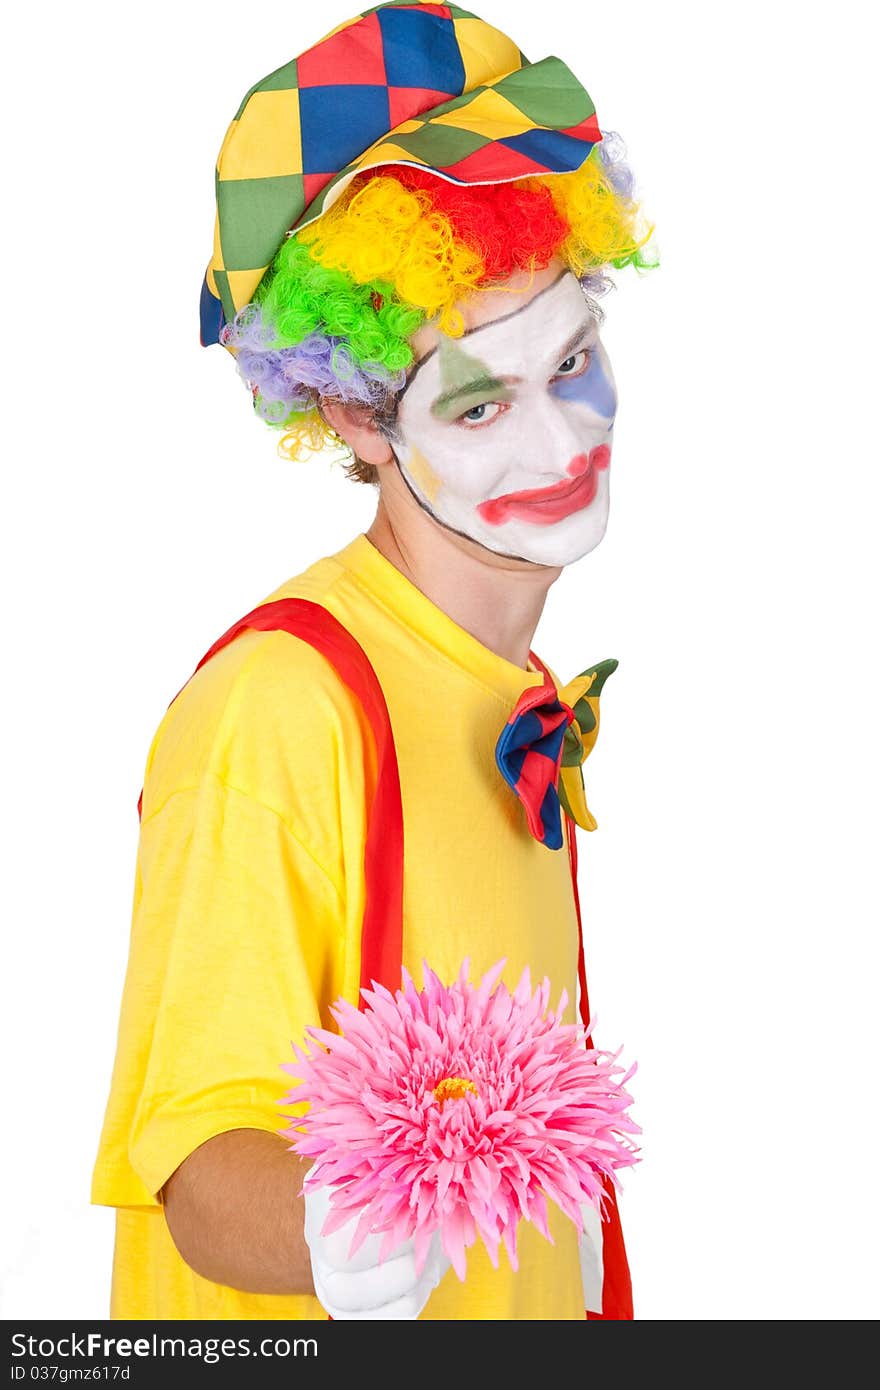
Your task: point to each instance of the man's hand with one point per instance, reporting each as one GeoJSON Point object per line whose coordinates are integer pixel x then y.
{"type": "Point", "coordinates": [361, 1287]}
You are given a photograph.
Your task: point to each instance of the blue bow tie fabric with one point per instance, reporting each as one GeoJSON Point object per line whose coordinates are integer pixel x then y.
{"type": "Point", "coordinates": [542, 747]}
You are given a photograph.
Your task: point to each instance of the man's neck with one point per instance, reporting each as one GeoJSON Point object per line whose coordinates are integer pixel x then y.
{"type": "Point", "coordinates": [497, 600]}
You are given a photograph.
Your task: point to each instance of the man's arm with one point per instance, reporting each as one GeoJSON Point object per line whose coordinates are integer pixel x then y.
{"type": "Point", "coordinates": [235, 1215]}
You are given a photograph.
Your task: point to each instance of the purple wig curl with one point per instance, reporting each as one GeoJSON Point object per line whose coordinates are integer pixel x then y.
{"type": "Point", "coordinates": [294, 378]}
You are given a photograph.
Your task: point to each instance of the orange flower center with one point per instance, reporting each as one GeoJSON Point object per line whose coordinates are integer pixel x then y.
{"type": "Point", "coordinates": [453, 1088]}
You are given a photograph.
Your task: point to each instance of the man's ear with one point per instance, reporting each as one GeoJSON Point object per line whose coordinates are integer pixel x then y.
{"type": "Point", "coordinates": [357, 426]}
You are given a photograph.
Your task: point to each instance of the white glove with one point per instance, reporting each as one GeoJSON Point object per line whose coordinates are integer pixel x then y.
{"type": "Point", "coordinates": [361, 1287]}
{"type": "Point", "coordinates": [592, 1269]}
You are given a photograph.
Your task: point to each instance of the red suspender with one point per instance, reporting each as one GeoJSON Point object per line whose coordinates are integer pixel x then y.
{"type": "Point", "coordinates": [617, 1299]}
{"type": "Point", "coordinates": [382, 936]}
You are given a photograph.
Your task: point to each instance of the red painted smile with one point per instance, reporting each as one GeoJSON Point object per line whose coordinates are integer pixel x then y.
{"type": "Point", "coordinates": [544, 505]}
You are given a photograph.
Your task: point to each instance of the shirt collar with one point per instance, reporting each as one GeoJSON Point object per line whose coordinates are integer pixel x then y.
{"type": "Point", "coordinates": [416, 611]}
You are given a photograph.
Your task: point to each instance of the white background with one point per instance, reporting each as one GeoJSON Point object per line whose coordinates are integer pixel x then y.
{"type": "Point", "coordinates": [729, 892]}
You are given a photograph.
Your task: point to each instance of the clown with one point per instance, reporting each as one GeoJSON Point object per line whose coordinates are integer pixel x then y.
{"type": "Point", "coordinates": [374, 768]}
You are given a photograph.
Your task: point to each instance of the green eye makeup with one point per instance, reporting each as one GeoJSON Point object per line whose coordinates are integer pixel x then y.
{"type": "Point", "coordinates": [466, 381]}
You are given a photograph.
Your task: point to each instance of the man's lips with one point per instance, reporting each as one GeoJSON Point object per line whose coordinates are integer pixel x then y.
{"type": "Point", "coordinates": [544, 505]}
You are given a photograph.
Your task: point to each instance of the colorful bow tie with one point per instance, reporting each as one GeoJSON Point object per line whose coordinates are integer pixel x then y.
{"type": "Point", "coordinates": [542, 746]}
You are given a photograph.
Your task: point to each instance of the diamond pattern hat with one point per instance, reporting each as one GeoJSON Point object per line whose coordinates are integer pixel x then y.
{"type": "Point", "coordinates": [425, 84]}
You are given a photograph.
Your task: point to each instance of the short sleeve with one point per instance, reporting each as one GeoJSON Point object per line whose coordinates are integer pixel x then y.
{"type": "Point", "coordinates": [241, 934]}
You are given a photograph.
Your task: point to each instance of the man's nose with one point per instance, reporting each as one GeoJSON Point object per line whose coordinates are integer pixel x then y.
{"type": "Point", "coordinates": [559, 432]}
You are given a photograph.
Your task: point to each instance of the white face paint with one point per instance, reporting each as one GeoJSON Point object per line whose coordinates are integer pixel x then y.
{"type": "Point", "coordinates": [504, 434]}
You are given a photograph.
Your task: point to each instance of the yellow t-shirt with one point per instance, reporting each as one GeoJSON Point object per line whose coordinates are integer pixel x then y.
{"type": "Point", "coordinates": [248, 902]}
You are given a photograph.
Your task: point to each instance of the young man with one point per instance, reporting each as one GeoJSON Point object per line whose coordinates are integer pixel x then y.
{"type": "Point", "coordinates": [431, 310]}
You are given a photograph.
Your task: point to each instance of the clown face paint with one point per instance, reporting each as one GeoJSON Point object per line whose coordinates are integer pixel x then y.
{"type": "Point", "coordinates": [504, 434]}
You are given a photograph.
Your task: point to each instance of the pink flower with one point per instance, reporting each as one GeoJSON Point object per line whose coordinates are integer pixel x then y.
{"type": "Point", "coordinates": [460, 1110]}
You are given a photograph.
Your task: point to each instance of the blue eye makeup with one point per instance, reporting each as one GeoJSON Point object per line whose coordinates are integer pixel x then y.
{"type": "Point", "coordinates": [591, 387]}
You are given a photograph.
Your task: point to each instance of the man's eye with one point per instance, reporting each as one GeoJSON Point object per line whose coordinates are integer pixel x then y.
{"type": "Point", "coordinates": [482, 414]}
{"type": "Point", "coordinates": [574, 365]}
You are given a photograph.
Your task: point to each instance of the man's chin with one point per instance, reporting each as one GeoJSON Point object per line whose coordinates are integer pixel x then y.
{"type": "Point", "coordinates": [554, 548]}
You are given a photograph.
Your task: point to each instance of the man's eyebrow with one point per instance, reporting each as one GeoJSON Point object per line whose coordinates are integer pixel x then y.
{"type": "Point", "coordinates": [445, 405]}
{"type": "Point", "coordinates": [521, 309]}
{"type": "Point", "coordinates": [566, 351]}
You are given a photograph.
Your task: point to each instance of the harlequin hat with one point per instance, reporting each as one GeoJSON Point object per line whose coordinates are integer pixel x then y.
{"type": "Point", "coordinates": [422, 84]}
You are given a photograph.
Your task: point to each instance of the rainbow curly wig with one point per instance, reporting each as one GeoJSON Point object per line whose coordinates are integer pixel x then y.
{"type": "Point", "coordinates": [334, 313]}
